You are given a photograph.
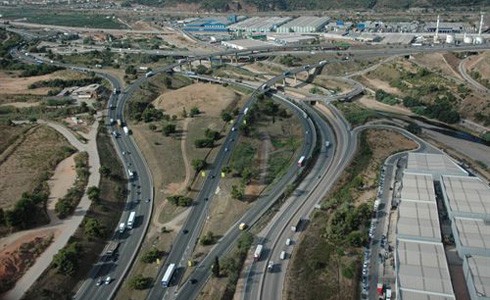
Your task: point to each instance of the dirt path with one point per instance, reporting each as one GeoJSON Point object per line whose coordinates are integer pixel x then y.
{"type": "Point", "coordinates": [63, 178]}
{"type": "Point", "coordinates": [64, 229]}
{"type": "Point", "coordinates": [264, 156]}
{"type": "Point", "coordinates": [188, 169]}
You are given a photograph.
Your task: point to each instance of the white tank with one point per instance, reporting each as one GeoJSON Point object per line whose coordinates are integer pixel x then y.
{"type": "Point", "coordinates": [478, 40]}
{"type": "Point", "coordinates": [467, 40]}
{"type": "Point", "coordinates": [449, 39]}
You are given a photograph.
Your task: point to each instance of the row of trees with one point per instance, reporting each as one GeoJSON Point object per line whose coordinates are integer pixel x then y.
{"type": "Point", "coordinates": [180, 200]}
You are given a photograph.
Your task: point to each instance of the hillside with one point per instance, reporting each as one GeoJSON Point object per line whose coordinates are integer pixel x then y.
{"type": "Point", "coordinates": [290, 5]}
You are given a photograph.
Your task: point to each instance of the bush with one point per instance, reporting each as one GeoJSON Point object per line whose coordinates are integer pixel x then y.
{"type": "Point", "coordinates": [199, 164]}
{"type": "Point", "coordinates": [180, 200]}
{"type": "Point", "coordinates": [152, 255]}
{"type": "Point", "coordinates": [139, 282]}
{"type": "Point", "coordinates": [168, 129]}
{"type": "Point", "coordinates": [204, 143]}
{"type": "Point", "coordinates": [208, 239]}
{"type": "Point", "coordinates": [65, 261]}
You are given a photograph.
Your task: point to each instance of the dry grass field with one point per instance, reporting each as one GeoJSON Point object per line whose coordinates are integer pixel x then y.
{"type": "Point", "coordinates": [30, 162]}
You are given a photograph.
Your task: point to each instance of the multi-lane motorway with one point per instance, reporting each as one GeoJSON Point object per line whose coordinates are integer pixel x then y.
{"type": "Point", "coordinates": [140, 195]}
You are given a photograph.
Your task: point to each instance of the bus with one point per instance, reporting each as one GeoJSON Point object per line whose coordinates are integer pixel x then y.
{"type": "Point", "coordinates": [131, 219]}
{"type": "Point", "coordinates": [301, 161]}
{"type": "Point", "coordinates": [168, 275]}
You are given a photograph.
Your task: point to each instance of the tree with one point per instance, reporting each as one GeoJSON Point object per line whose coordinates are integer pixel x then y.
{"type": "Point", "coordinates": [130, 70]}
{"type": "Point", "coordinates": [139, 282]}
{"type": "Point", "coordinates": [104, 171]}
{"type": "Point", "coordinates": [199, 164]}
{"type": "Point", "coordinates": [201, 69]}
{"type": "Point", "coordinates": [169, 129]}
{"type": "Point", "coordinates": [168, 82]}
{"type": "Point", "coordinates": [226, 116]}
{"type": "Point", "coordinates": [204, 143]}
{"type": "Point", "coordinates": [151, 255]}
{"type": "Point", "coordinates": [207, 239]}
{"type": "Point", "coordinates": [93, 193]}
{"type": "Point", "coordinates": [194, 111]}
{"type": "Point", "coordinates": [65, 261]}
{"type": "Point", "coordinates": [212, 134]}
{"type": "Point", "coordinates": [184, 113]}
{"type": "Point", "coordinates": [92, 228]}
{"type": "Point", "coordinates": [237, 192]}
{"type": "Point", "coordinates": [414, 128]}
{"type": "Point", "coordinates": [152, 127]}
{"type": "Point", "coordinates": [215, 267]}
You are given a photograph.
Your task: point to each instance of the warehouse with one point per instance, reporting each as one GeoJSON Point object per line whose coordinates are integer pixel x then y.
{"type": "Point", "coordinates": [418, 187]}
{"type": "Point", "coordinates": [466, 197]}
{"type": "Point", "coordinates": [259, 24]}
{"type": "Point", "coordinates": [213, 25]}
{"type": "Point", "coordinates": [418, 220]}
{"type": "Point", "coordinates": [471, 236]}
{"type": "Point", "coordinates": [435, 164]}
{"type": "Point", "coordinates": [291, 39]}
{"type": "Point", "coordinates": [422, 271]}
{"type": "Point", "coordinates": [245, 44]}
{"type": "Point", "coordinates": [304, 24]}
{"type": "Point", "coordinates": [477, 274]}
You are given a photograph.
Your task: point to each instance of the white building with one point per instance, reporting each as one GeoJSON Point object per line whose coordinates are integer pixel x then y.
{"type": "Point", "coordinates": [304, 24]}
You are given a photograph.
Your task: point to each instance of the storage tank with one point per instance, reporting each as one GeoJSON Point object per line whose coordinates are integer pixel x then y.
{"type": "Point", "coordinates": [467, 40]}
{"type": "Point", "coordinates": [449, 39]}
{"type": "Point", "coordinates": [478, 40]}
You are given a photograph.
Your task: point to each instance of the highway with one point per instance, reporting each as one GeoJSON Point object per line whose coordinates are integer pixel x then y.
{"type": "Point", "coordinates": [141, 189]}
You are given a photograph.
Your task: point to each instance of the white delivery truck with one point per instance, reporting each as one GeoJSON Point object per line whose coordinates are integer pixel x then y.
{"type": "Point", "coordinates": [132, 215]}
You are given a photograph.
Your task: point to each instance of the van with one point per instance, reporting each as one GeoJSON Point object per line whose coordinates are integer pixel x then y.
{"type": "Point", "coordinates": [283, 255]}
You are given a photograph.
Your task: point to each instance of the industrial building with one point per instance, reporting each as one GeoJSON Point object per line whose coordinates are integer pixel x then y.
{"type": "Point", "coordinates": [435, 164]}
{"type": "Point", "coordinates": [448, 27]}
{"type": "Point", "coordinates": [245, 44]}
{"type": "Point", "coordinates": [422, 271]}
{"type": "Point", "coordinates": [466, 197]}
{"type": "Point", "coordinates": [259, 24]}
{"type": "Point", "coordinates": [338, 26]}
{"type": "Point", "coordinates": [477, 274]}
{"type": "Point", "coordinates": [420, 261]}
{"type": "Point", "coordinates": [304, 24]}
{"type": "Point", "coordinates": [290, 39]}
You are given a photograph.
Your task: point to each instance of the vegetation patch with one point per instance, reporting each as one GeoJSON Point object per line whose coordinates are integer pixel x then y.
{"type": "Point", "coordinates": [75, 261]}
{"type": "Point", "coordinates": [66, 205]}
{"type": "Point", "coordinates": [325, 263]}
{"type": "Point", "coordinates": [355, 113]}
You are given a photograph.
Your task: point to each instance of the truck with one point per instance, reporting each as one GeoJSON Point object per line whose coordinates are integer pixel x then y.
{"type": "Point", "coordinates": [149, 74]}
{"type": "Point", "coordinates": [301, 161]}
{"type": "Point", "coordinates": [119, 122]}
{"type": "Point", "coordinates": [258, 252]}
{"type": "Point", "coordinates": [130, 173]}
{"type": "Point", "coordinates": [168, 275]}
{"type": "Point", "coordinates": [297, 226]}
{"type": "Point", "coordinates": [122, 227]}
{"type": "Point", "coordinates": [388, 294]}
{"type": "Point", "coordinates": [132, 215]}
{"type": "Point", "coordinates": [245, 111]}
{"type": "Point", "coordinates": [126, 130]}
{"type": "Point", "coordinates": [111, 248]}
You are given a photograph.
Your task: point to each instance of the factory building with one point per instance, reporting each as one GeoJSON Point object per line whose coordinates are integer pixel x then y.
{"type": "Point", "coordinates": [290, 39]}
{"type": "Point", "coordinates": [420, 262]}
{"type": "Point", "coordinates": [304, 24]}
{"type": "Point", "coordinates": [209, 24]}
{"type": "Point", "coordinates": [259, 24]}
{"type": "Point", "coordinates": [447, 27]}
{"type": "Point", "coordinates": [245, 44]}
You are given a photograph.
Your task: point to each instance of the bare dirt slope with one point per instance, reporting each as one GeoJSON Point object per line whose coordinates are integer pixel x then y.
{"type": "Point", "coordinates": [437, 62]}
{"type": "Point", "coordinates": [19, 85]}
{"type": "Point", "coordinates": [209, 98]}
{"type": "Point", "coordinates": [481, 64]}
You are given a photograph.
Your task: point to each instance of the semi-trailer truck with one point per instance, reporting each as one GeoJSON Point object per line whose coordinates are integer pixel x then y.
{"type": "Point", "coordinates": [132, 215]}
{"type": "Point", "coordinates": [297, 226]}
{"type": "Point", "coordinates": [111, 248]}
{"type": "Point", "coordinates": [258, 252]}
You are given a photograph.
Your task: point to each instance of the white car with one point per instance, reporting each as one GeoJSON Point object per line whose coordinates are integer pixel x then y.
{"type": "Point", "coordinates": [288, 242]}
{"type": "Point", "coordinates": [108, 280]}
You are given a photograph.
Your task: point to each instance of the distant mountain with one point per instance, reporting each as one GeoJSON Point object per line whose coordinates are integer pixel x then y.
{"type": "Point", "coordinates": [289, 5]}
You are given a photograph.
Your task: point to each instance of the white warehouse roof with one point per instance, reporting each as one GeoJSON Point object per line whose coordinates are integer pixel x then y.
{"type": "Point", "coordinates": [466, 197]}
{"type": "Point", "coordinates": [477, 273]}
{"type": "Point", "coordinates": [435, 164]}
{"type": "Point", "coordinates": [409, 295]}
{"type": "Point", "coordinates": [304, 24]}
{"type": "Point", "coordinates": [418, 221]}
{"type": "Point", "coordinates": [473, 232]}
{"type": "Point", "coordinates": [422, 269]}
{"type": "Point", "coordinates": [418, 187]}
{"type": "Point", "coordinates": [262, 24]}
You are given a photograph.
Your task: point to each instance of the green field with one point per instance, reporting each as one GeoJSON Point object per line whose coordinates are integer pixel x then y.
{"type": "Point", "coordinates": [50, 17]}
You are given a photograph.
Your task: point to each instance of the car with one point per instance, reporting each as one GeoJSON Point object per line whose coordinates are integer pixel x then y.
{"type": "Point", "coordinates": [124, 153]}
{"type": "Point", "coordinates": [233, 128]}
{"type": "Point", "coordinates": [108, 280]}
{"type": "Point", "coordinates": [193, 281]}
{"type": "Point", "coordinates": [288, 242]}
{"type": "Point", "coordinates": [226, 149]}
{"type": "Point", "coordinates": [99, 282]}
{"type": "Point", "coordinates": [148, 200]}
{"type": "Point", "coordinates": [185, 231]}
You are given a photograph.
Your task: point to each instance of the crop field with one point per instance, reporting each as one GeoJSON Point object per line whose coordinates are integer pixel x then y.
{"type": "Point", "coordinates": [50, 17]}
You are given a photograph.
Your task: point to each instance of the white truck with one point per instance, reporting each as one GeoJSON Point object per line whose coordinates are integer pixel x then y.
{"type": "Point", "coordinates": [149, 74]}
{"type": "Point", "coordinates": [327, 144]}
{"type": "Point", "coordinates": [130, 173]}
{"type": "Point", "coordinates": [126, 130]}
{"type": "Point", "coordinates": [258, 252]}
{"type": "Point", "coordinates": [132, 215]}
{"type": "Point", "coordinates": [122, 227]}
